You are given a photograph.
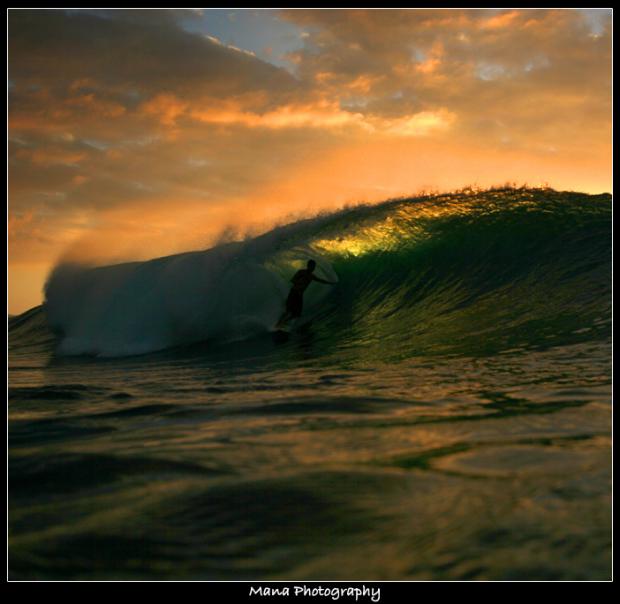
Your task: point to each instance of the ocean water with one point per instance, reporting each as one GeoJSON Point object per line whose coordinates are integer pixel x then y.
{"type": "Point", "coordinates": [443, 412]}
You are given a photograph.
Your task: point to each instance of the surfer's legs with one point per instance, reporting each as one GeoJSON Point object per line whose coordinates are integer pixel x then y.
{"type": "Point", "coordinates": [294, 305]}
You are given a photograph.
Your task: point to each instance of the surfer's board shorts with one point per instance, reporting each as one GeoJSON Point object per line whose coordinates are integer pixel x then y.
{"type": "Point", "coordinates": [295, 303]}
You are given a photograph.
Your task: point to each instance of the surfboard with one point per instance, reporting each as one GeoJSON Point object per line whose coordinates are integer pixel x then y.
{"type": "Point", "coordinates": [300, 325]}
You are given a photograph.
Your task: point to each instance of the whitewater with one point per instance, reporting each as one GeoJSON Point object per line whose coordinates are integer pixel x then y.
{"type": "Point", "coordinates": [442, 412]}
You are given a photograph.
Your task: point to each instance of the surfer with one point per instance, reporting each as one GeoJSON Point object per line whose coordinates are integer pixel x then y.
{"type": "Point", "coordinates": [295, 300]}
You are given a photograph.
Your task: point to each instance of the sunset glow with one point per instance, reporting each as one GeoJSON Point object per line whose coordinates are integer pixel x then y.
{"type": "Point", "coordinates": [136, 134]}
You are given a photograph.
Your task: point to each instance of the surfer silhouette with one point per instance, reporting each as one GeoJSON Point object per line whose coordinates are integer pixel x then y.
{"type": "Point", "coordinates": [295, 301]}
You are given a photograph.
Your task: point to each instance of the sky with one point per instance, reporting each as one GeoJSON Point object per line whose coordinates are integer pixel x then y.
{"type": "Point", "coordinates": [134, 134]}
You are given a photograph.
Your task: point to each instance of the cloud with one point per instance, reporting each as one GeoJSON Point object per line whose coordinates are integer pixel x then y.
{"type": "Point", "coordinates": [469, 62]}
{"type": "Point", "coordinates": [321, 114]}
{"type": "Point", "coordinates": [145, 51]}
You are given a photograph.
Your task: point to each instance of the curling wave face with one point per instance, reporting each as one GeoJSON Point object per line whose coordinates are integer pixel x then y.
{"type": "Point", "coordinates": [468, 273]}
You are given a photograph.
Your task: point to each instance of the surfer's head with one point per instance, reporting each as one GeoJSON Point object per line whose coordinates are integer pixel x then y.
{"type": "Point", "coordinates": [311, 265]}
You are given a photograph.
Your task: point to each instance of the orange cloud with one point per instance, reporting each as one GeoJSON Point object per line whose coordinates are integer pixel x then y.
{"type": "Point", "coordinates": [79, 180]}
{"type": "Point", "coordinates": [418, 124]}
{"type": "Point", "coordinates": [166, 107]}
{"type": "Point", "coordinates": [363, 83]}
{"type": "Point", "coordinates": [323, 113]}
{"type": "Point", "coordinates": [500, 21]}
{"type": "Point", "coordinates": [95, 105]}
{"type": "Point", "coordinates": [434, 59]}
{"type": "Point", "coordinates": [50, 156]}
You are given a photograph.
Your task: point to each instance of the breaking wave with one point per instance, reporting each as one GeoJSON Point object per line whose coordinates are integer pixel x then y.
{"type": "Point", "coordinates": [473, 272]}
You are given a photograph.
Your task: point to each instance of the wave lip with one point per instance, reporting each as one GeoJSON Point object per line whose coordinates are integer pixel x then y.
{"type": "Point", "coordinates": [461, 272]}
